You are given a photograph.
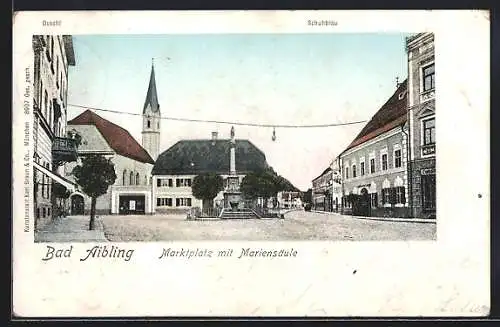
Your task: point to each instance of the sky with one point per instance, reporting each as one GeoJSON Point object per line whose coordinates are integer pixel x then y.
{"type": "Point", "coordinates": [276, 79]}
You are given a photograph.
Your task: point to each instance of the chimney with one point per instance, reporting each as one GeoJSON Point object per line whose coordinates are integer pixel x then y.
{"type": "Point", "coordinates": [214, 137]}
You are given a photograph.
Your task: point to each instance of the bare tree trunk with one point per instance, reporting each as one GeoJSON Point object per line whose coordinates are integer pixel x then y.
{"type": "Point", "coordinates": [92, 214]}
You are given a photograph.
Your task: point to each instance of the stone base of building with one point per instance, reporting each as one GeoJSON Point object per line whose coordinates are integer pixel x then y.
{"type": "Point", "coordinates": [396, 212]}
{"type": "Point", "coordinates": [172, 211]}
{"type": "Point", "coordinates": [423, 178]}
{"type": "Point", "coordinates": [384, 212]}
{"type": "Point", "coordinates": [41, 222]}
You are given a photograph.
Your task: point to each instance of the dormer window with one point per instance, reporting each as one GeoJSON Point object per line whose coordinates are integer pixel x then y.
{"type": "Point", "coordinates": [401, 95]}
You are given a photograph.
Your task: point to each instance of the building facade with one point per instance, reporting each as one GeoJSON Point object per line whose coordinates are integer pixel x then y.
{"type": "Point", "coordinates": [53, 147]}
{"type": "Point", "coordinates": [131, 192]}
{"type": "Point", "coordinates": [289, 200]}
{"type": "Point", "coordinates": [175, 169]}
{"type": "Point", "coordinates": [374, 165]}
{"type": "Point", "coordinates": [322, 191]}
{"type": "Point", "coordinates": [336, 184]}
{"type": "Point", "coordinates": [421, 116]}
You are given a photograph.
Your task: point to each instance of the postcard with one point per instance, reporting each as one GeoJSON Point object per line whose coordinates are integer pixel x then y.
{"type": "Point", "coordinates": [251, 163]}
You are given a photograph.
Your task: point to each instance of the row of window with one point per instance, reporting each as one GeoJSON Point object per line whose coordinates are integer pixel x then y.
{"type": "Point", "coordinates": [42, 212]}
{"type": "Point", "coordinates": [45, 185]}
{"type": "Point", "coordinates": [49, 52]}
{"type": "Point", "coordinates": [384, 164]}
{"type": "Point", "coordinates": [168, 202]}
{"type": "Point", "coordinates": [133, 179]}
{"type": "Point", "coordinates": [169, 182]}
{"type": "Point", "coordinates": [393, 195]}
{"type": "Point", "coordinates": [47, 101]}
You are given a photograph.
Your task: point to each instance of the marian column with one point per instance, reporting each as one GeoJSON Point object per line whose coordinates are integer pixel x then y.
{"type": "Point", "coordinates": [232, 194]}
{"type": "Point", "coordinates": [232, 155]}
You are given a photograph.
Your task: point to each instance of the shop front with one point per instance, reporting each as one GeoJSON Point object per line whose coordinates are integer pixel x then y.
{"type": "Point", "coordinates": [131, 200]}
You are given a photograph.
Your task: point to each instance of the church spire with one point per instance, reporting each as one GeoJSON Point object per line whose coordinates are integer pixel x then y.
{"type": "Point", "coordinates": [152, 96]}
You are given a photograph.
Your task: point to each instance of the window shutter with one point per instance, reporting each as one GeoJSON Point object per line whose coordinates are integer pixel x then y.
{"type": "Point", "coordinates": [392, 195]}
{"type": "Point", "coordinates": [383, 195]}
{"type": "Point", "coordinates": [157, 201]}
{"type": "Point", "coordinates": [403, 198]}
{"type": "Point", "coordinates": [177, 202]}
{"type": "Point", "coordinates": [177, 182]}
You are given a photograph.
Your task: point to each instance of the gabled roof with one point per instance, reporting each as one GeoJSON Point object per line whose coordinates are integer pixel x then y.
{"type": "Point", "coordinates": [191, 157]}
{"type": "Point", "coordinates": [117, 137]}
{"type": "Point", "coordinates": [389, 116]}
{"type": "Point", "coordinates": [326, 171]}
{"type": "Point", "coordinates": [152, 96]}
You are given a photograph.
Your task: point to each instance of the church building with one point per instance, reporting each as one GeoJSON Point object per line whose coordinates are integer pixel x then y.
{"type": "Point", "coordinates": [132, 190]}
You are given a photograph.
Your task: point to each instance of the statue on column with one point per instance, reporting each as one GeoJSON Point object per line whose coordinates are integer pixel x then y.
{"type": "Point", "coordinates": [232, 134]}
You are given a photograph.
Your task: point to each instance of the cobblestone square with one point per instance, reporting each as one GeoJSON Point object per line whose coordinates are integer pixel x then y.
{"type": "Point", "coordinates": [297, 226]}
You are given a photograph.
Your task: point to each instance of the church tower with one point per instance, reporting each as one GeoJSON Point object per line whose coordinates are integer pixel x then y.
{"type": "Point", "coordinates": [151, 119]}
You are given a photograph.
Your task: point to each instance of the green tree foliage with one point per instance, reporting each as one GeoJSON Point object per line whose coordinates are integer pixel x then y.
{"type": "Point", "coordinates": [60, 193]}
{"type": "Point", "coordinates": [265, 184]}
{"type": "Point", "coordinates": [95, 174]}
{"type": "Point", "coordinates": [206, 187]}
{"type": "Point", "coordinates": [307, 198]}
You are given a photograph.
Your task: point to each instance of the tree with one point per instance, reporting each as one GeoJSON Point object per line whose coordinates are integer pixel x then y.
{"type": "Point", "coordinates": [94, 175]}
{"type": "Point", "coordinates": [60, 193]}
{"type": "Point", "coordinates": [308, 196]}
{"type": "Point", "coordinates": [259, 184]}
{"type": "Point", "coordinates": [249, 186]}
{"type": "Point", "coordinates": [206, 187]}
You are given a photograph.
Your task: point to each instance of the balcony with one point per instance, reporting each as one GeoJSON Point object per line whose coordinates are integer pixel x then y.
{"type": "Point", "coordinates": [429, 149]}
{"type": "Point", "coordinates": [64, 150]}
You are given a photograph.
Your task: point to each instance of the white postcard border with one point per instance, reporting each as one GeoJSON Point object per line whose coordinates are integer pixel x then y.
{"type": "Point", "coordinates": [447, 277]}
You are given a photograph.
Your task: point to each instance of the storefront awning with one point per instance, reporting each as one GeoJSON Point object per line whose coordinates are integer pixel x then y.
{"type": "Point", "coordinates": [61, 180]}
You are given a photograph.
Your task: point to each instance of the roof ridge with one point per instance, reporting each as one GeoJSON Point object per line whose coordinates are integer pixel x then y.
{"type": "Point", "coordinates": [390, 112]}
{"type": "Point", "coordinates": [197, 155]}
{"type": "Point", "coordinates": [119, 146]}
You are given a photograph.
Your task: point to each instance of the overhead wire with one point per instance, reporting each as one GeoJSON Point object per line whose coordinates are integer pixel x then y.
{"type": "Point", "coordinates": [226, 122]}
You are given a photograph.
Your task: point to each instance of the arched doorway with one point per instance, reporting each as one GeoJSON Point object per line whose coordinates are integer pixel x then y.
{"type": "Point", "coordinates": [364, 203]}
{"type": "Point", "coordinates": [77, 204]}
